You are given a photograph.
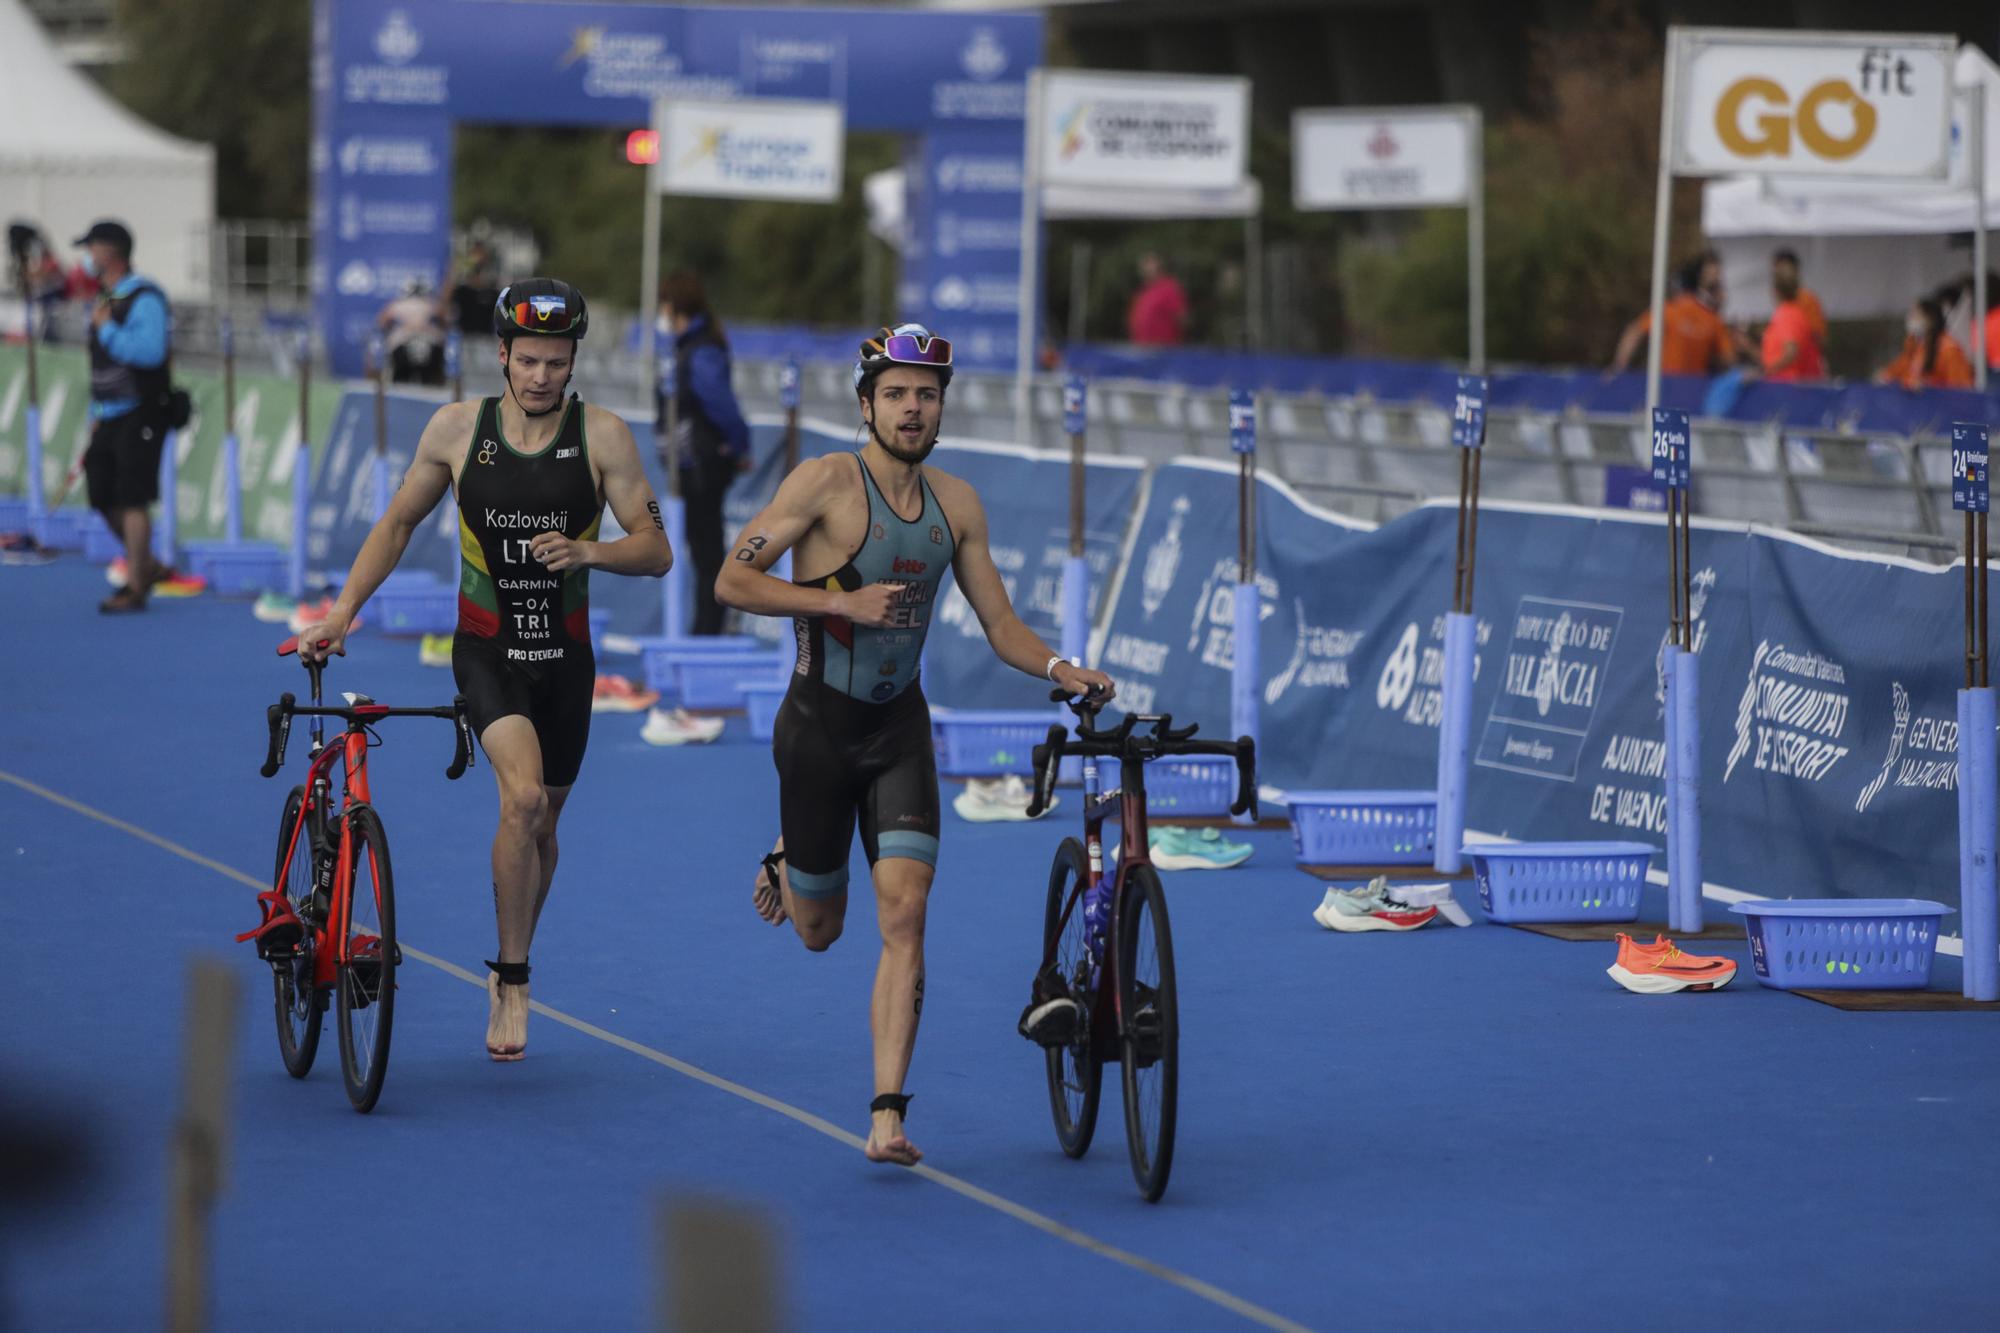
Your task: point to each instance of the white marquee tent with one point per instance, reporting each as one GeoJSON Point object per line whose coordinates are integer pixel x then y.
{"type": "Point", "coordinates": [1866, 250]}
{"type": "Point", "coordinates": [70, 154]}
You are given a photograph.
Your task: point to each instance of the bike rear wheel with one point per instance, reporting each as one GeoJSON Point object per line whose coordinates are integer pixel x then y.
{"type": "Point", "coordinates": [1149, 1034]}
{"type": "Point", "coordinates": [365, 985]}
{"type": "Point", "coordinates": [300, 1008]}
{"type": "Point", "coordinates": [1076, 1072]}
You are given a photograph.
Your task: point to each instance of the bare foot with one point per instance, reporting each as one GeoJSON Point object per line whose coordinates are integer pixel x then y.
{"type": "Point", "coordinates": [886, 1142]}
{"type": "Point", "coordinates": [767, 897]}
{"type": "Point", "coordinates": [506, 1020]}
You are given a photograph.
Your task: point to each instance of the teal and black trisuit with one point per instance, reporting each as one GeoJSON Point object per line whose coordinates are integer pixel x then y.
{"type": "Point", "coordinates": [853, 737]}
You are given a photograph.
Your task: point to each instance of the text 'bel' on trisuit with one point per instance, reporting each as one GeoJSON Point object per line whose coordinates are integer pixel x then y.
{"type": "Point", "coordinates": [862, 661]}
{"type": "Point", "coordinates": [506, 498]}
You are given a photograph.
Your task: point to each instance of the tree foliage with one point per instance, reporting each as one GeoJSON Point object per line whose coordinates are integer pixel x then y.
{"type": "Point", "coordinates": [232, 73]}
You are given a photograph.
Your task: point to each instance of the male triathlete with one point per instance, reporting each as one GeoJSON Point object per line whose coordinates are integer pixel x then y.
{"type": "Point", "coordinates": [533, 474]}
{"type": "Point", "coordinates": [872, 533]}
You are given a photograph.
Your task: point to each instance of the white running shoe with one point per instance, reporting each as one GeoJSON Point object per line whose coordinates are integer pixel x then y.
{"type": "Point", "coordinates": [677, 726]}
{"type": "Point", "coordinates": [991, 801]}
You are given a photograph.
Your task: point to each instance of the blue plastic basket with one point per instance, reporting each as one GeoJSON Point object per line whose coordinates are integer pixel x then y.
{"type": "Point", "coordinates": [600, 621]}
{"type": "Point", "coordinates": [1842, 943]}
{"type": "Point", "coordinates": [238, 568]}
{"type": "Point", "coordinates": [1196, 786]}
{"type": "Point", "coordinates": [717, 680]}
{"type": "Point", "coordinates": [761, 700]}
{"type": "Point", "coordinates": [1560, 881]}
{"type": "Point", "coordinates": [980, 744]}
{"type": "Point", "coordinates": [660, 657]}
{"type": "Point", "coordinates": [1364, 827]}
{"type": "Point", "coordinates": [67, 529]}
{"type": "Point", "coordinates": [13, 513]}
{"type": "Point", "coordinates": [415, 602]}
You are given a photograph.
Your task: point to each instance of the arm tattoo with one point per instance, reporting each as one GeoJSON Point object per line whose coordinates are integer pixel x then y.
{"type": "Point", "coordinates": [653, 508]}
{"type": "Point", "coordinates": [920, 995]}
{"type": "Point", "coordinates": [751, 548]}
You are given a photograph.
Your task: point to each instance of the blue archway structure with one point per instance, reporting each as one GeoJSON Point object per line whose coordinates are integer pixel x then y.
{"type": "Point", "coordinates": [391, 79]}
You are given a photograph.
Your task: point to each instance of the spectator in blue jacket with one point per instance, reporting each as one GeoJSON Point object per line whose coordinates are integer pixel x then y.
{"type": "Point", "coordinates": [711, 440]}
{"type": "Point", "coordinates": [130, 382]}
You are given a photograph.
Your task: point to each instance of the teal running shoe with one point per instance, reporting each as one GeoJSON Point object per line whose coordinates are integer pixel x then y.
{"type": "Point", "coordinates": [1177, 848]}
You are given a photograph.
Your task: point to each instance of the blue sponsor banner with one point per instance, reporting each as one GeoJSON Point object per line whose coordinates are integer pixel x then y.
{"type": "Point", "coordinates": [1630, 487]}
{"type": "Point", "coordinates": [961, 272]}
{"type": "Point", "coordinates": [1968, 467]}
{"type": "Point", "coordinates": [391, 78]}
{"type": "Point", "coordinates": [1829, 760]}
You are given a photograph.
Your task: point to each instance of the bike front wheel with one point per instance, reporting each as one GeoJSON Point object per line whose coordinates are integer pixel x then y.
{"type": "Point", "coordinates": [300, 1007]}
{"type": "Point", "coordinates": [1076, 1072]}
{"type": "Point", "coordinates": [1149, 1029]}
{"type": "Point", "coordinates": [365, 984]}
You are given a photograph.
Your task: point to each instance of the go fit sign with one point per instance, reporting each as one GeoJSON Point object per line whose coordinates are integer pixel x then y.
{"type": "Point", "coordinates": [1811, 103]}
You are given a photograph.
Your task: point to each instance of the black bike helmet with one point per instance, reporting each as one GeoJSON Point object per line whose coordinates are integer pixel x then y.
{"type": "Point", "coordinates": [547, 307]}
{"type": "Point", "coordinates": [904, 345]}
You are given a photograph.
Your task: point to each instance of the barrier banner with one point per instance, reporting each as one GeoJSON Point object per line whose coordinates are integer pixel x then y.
{"type": "Point", "coordinates": [267, 431]}
{"type": "Point", "coordinates": [1829, 750]}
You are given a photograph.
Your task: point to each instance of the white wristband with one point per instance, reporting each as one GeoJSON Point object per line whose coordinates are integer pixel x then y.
{"type": "Point", "coordinates": [1050, 669]}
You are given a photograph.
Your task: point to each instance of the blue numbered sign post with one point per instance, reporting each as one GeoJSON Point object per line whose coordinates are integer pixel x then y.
{"type": "Point", "coordinates": [1673, 469]}
{"type": "Point", "coordinates": [1978, 804]}
{"type": "Point", "coordinates": [1461, 629]}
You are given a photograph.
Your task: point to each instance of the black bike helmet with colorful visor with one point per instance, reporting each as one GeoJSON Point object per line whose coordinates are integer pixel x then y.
{"type": "Point", "coordinates": [904, 345]}
{"type": "Point", "coordinates": [544, 306]}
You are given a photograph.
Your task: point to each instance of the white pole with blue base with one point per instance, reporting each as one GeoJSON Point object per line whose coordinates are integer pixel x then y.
{"type": "Point", "coordinates": [1461, 631]}
{"type": "Point", "coordinates": [1246, 680]}
{"type": "Point", "coordinates": [1979, 908]}
{"type": "Point", "coordinates": [232, 449]}
{"type": "Point", "coordinates": [1684, 902]}
{"type": "Point", "coordinates": [301, 473]}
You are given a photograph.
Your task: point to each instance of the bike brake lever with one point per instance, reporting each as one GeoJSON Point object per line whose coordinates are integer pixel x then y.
{"type": "Point", "coordinates": [462, 740]}
{"type": "Point", "coordinates": [278, 717]}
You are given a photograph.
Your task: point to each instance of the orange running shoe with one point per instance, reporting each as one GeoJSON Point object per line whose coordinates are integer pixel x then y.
{"type": "Point", "coordinates": [1661, 968]}
{"type": "Point", "coordinates": [616, 694]}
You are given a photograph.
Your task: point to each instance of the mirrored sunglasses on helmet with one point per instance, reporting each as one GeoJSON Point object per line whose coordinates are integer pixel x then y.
{"type": "Point", "coordinates": [542, 314]}
{"type": "Point", "coordinates": [915, 349]}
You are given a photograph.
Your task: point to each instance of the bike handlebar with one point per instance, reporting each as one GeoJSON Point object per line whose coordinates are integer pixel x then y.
{"type": "Point", "coordinates": [280, 714]}
{"type": "Point", "coordinates": [1126, 741]}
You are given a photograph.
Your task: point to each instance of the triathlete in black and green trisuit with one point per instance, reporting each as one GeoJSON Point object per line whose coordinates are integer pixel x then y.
{"type": "Point", "coordinates": [534, 470]}
{"type": "Point", "coordinates": [523, 641]}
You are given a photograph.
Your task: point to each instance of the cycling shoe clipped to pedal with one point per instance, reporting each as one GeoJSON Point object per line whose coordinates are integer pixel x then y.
{"type": "Point", "coordinates": [281, 932]}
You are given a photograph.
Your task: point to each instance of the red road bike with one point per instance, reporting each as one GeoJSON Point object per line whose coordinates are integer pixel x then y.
{"type": "Point", "coordinates": [346, 954]}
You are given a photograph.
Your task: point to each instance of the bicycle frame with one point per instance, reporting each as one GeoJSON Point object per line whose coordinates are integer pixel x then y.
{"type": "Point", "coordinates": [350, 752]}
{"type": "Point", "coordinates": [1128, 800]}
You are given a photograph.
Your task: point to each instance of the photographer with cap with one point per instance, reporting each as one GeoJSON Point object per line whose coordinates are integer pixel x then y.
{"type": "Point", "coordinates": [132, 405]}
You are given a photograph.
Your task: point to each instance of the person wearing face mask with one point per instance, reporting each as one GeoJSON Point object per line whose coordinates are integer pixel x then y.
{"type": "Point", "coordinates": [1697, 342]}
{"type": "Point", "coordinates": [533, 471]}
{"type": "Point", "coordinates": [1795, 338]}
{"type": "Point", "coordinates": [872, 534]}
{"type": "Point", "coordinates": [1930, 358]}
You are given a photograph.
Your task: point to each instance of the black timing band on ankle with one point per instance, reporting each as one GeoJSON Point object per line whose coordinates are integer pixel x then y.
{"type": "Point", "coordinates": [891, 1101]}
{"type": "Point", "coordinates": [510, 974]}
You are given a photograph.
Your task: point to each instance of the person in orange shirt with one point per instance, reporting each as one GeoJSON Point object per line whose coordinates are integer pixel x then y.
{"type": "Point", "coordinates": [1697, 342]}
{"type": "Point", "coordinates": [1992, 321]}
{"type": "Point", "coordinates": [1930, 357]}
{"type": "Point", "coordinates": [1792, 349]}
{"type": "Point", "coordinates": [1784, 269]}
